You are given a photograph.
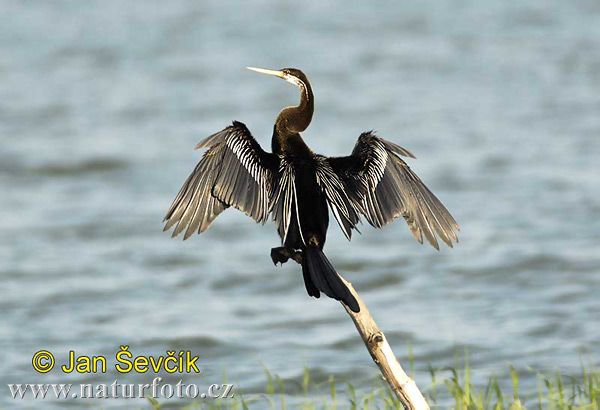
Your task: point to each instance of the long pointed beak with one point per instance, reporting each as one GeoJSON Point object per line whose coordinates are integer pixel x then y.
{"type": "Point", "coordinates": [276, 73]}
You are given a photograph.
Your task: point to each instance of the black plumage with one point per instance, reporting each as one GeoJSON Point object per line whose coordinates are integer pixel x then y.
{"type": "Point", "coordinates": [296, 187]}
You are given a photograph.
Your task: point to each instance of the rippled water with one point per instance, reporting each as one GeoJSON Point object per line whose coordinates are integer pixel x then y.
{"type": "Point", "coordinates": [101, 103]}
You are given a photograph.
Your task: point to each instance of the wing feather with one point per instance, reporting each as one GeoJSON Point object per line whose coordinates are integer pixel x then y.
{"type": "Point", "coordinates": [234, 171]}
{"type": "Point", "coordinates": [342, 207]}
{"type": "Point", "coordinates": [383, 187]}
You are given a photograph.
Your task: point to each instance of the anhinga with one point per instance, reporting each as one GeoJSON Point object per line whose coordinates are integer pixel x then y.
{"type": "Point", "coordinates": [296, 186]}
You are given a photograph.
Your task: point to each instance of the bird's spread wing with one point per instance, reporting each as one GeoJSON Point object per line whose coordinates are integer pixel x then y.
{"type": "Point", "coordinates": [234, 171]}
{"type": "Point", "coordinates": [383, 187]}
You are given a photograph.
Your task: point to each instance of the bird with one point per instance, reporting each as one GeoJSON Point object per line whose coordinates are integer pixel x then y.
{"type": "Point", "coordinates": [298, 189]}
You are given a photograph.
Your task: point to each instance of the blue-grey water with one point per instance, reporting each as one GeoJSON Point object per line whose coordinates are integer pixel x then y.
{"type": "Point", "coordinates": [102, 102]}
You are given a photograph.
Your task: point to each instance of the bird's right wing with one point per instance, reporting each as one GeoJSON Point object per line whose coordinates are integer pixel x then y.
{"type": "Point", "coordinates": [235, 171]}
{"type": "Point", "coordinates": [383, 187]}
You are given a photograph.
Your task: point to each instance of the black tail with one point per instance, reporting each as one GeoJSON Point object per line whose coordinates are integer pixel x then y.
{"type": "Point", "coordinates": [320, 275]}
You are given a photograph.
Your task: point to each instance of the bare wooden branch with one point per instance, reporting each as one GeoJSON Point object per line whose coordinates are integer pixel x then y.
{"type": "Point", "coordinates": [401, 384]}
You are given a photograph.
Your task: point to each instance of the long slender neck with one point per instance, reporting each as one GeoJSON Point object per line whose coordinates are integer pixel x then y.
{"type": "Point", "coordinates": [293, 120]}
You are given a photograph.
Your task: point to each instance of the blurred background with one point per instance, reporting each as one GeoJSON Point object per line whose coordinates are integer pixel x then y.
{"type": "Point", "coordinates": [102, 102]}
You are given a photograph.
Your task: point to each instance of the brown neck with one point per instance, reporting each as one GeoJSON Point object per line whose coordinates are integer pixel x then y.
{"type": "Point", "coordinates": [293, 120]}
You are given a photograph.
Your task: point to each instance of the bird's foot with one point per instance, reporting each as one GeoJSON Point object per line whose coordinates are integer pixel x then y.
{"type": "Point", "coordinates": [279, 255]}
{"type": "Point", "coordinates": [283, 254]}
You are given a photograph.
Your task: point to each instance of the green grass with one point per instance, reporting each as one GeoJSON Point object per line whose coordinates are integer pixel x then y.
{"type": "Point", "coordinates": [447, 388]}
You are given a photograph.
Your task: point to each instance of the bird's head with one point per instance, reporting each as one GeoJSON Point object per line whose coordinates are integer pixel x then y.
{"type": "Point", "coordinates": [291, 75]}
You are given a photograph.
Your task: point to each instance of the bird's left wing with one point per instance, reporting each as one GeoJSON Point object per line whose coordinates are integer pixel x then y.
{"type": "Point", "coordinates": [234, 171]}
{"type": "Point", "coordinates": [383, 187]}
